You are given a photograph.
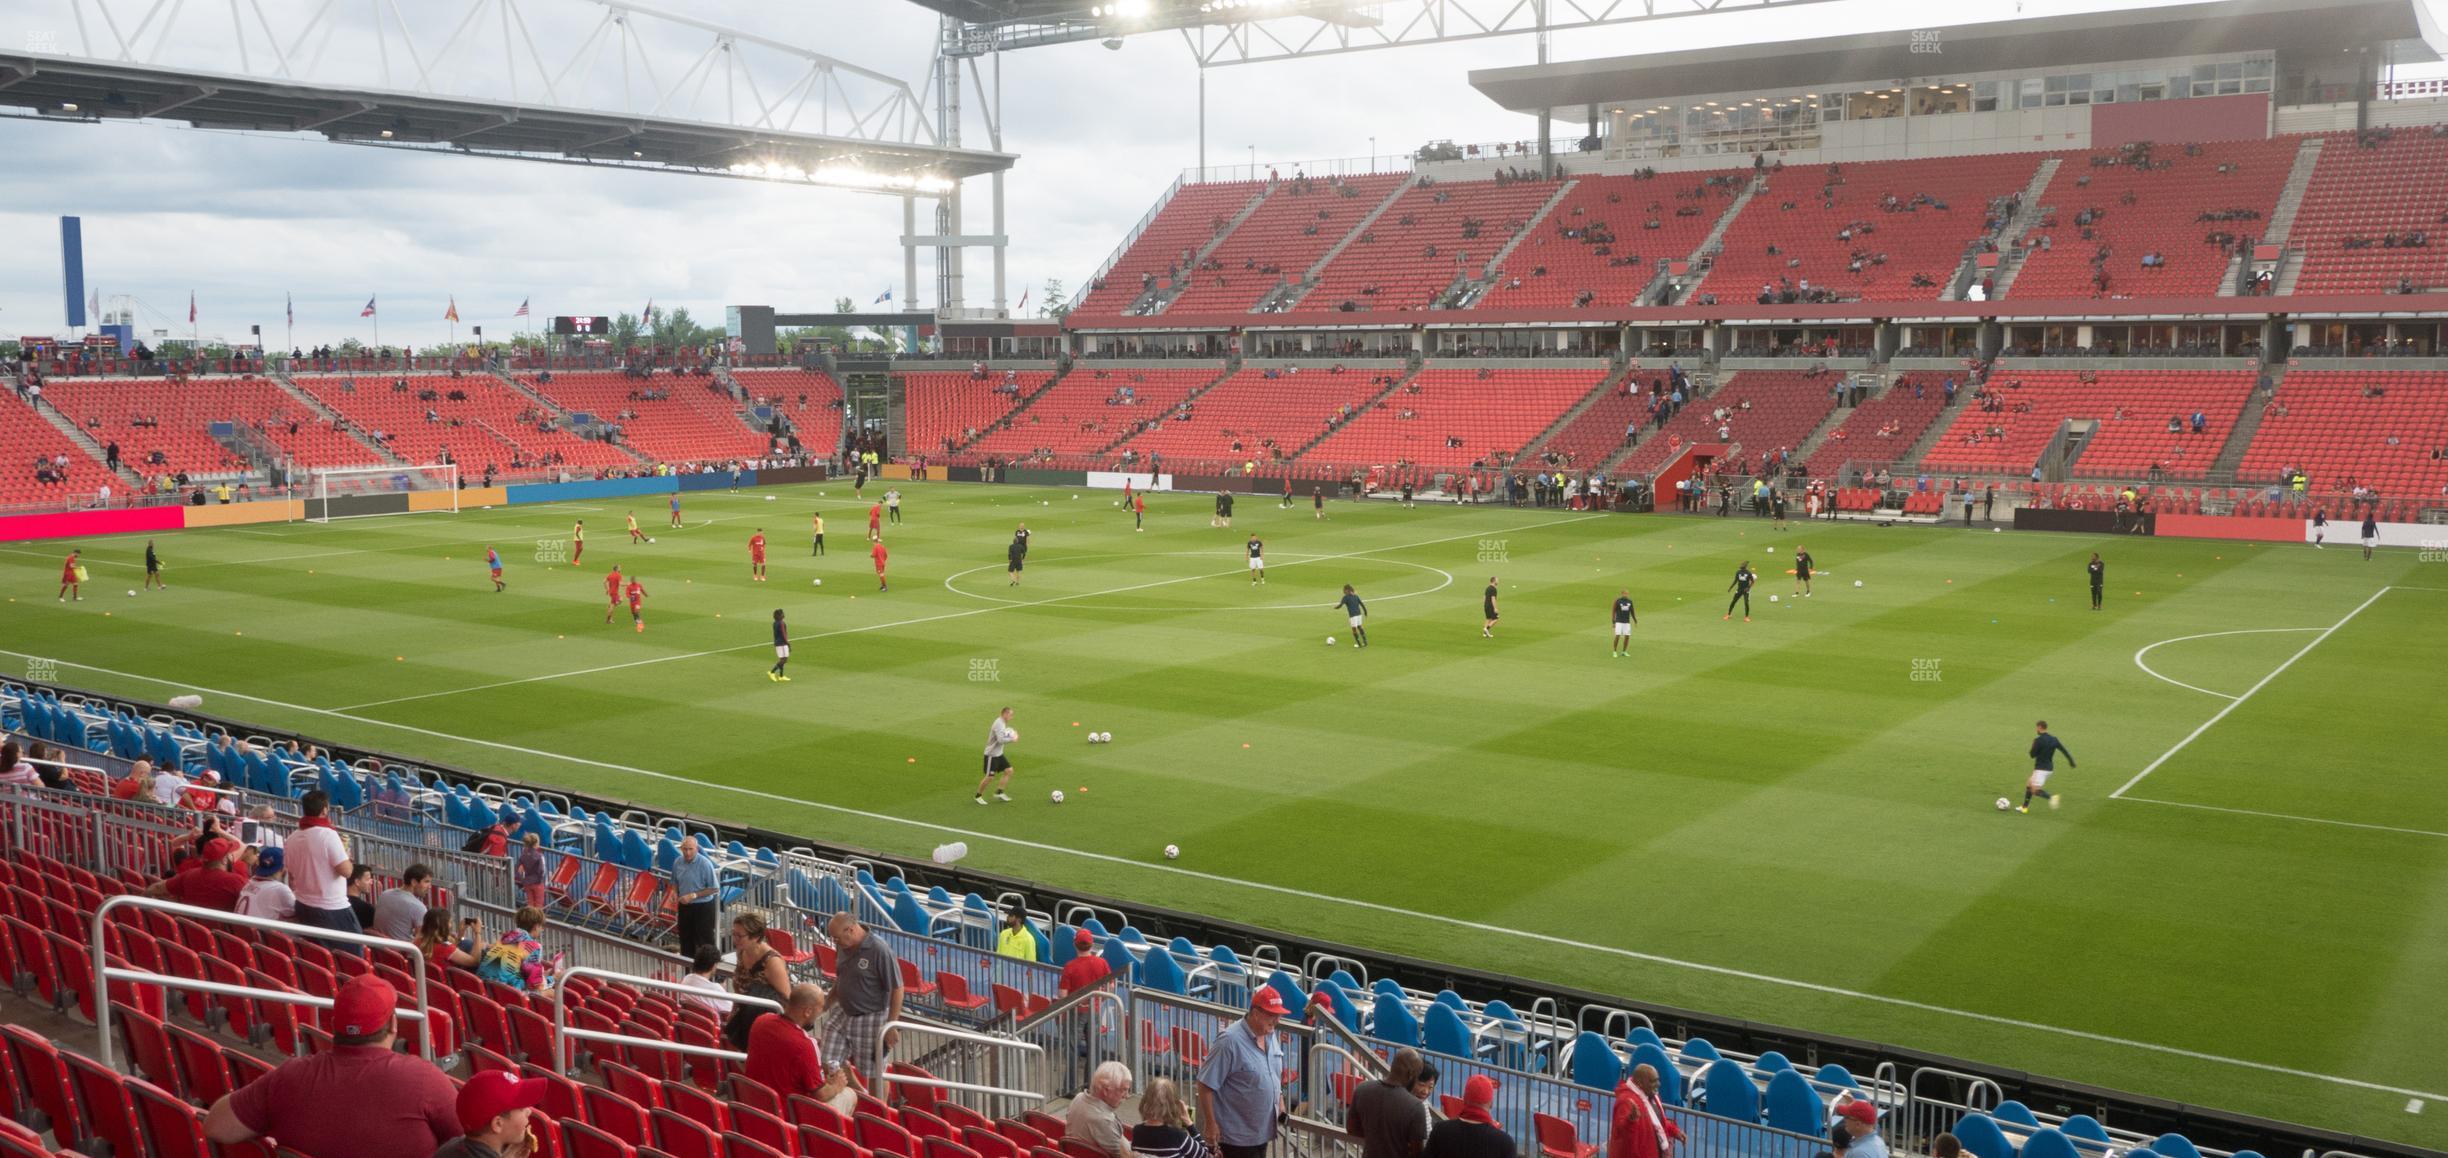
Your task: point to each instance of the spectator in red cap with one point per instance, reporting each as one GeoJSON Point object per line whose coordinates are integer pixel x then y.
{"type": "Point", "coordinates": [1085, 968]}
{"type": "Point", "coordinates": [1475, 1132]}
{"type": "Point", "coordinates": [1857, 1122]}
{"type": "Point", "coordinates": [358, 1098]}
{"type": "Point", "coordinates": [1639, 1128]}
{"type": "Point", "coordinates": [494, 1108]}
{"type": "Point", "coordinates": [208, 884]}
{"type": "Point", "coordinates": [1240, 1089]}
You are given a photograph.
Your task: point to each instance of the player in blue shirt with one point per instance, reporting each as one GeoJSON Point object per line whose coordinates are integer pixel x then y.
{"type": "Point", "coordinates": [675, 506]}
{"type": "Point", "coordinates": [1624, 619]}
{"type": "Point", "coordinates": [781, 650]}
{"type": "Point", "coordinates": [2320, 527]}
{"type": "Point", "coordinates": [1357, 613]}
{"type": "Point", "coordinates": [2371, 534]}
{"type": "Point", "coordinates": [2044, 752]}
{"type": "Point", "coordinates": [493, 563]}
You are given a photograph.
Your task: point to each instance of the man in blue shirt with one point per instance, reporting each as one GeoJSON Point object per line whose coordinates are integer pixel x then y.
{"type": "Point", "coordinates": [1240, 1089]}
{"type": "Point", "coordinates": [2044, 752]}
{"type": "Point", "coordinates": [698, 888]}
{"type": "Point", "coordinates": [1357, 613]}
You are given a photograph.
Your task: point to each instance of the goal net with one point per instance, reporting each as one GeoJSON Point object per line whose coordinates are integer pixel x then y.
{"type": "Point", "coordinates": [364, 492]}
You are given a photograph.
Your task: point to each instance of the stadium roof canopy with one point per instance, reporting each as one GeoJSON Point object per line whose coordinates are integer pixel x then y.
{"type": "Point", "coordinates": [2300, 29]}
{"type": "Point", "coordinates": [873, 155]}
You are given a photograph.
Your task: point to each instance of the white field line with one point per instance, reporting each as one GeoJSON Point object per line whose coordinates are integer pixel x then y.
{"type": "Point", "coordinates": [2287, 816]}
{"type": "Point", "coordinates": [2238, 702]}
{"type": "Point", "coordinates": [1322, 898]}
{"type": "Point", "coordinates": [963, 614]}
{"type": "Point", "coordinates": [2149, 648]}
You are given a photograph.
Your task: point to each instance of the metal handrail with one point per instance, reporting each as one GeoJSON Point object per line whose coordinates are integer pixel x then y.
{"type": "Point", "coordinates": [883, 1081]}
{"type": "Point", "coordinates": [562, 1031]}
{"type": "Point", "coordinates": [105, 973]}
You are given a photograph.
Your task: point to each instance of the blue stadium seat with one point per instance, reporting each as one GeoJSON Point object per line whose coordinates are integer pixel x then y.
{"type": "Point", "coordinates": [907, 913]}
{"type": "Point", "coordinates": [1730, 1092]}
{"type": "Point", "coordinates": [1698, 1051]}
{"type": "Point", "coordinates": [1594, 1063]}
{"type": "Point", "coordinates": [1793, 1105]}
{"type": "Point", "coordinates": [1442, 1032]}
{"type": "Point", "coordinates": [1670, 1076]}
{"type": "Point", "coordinates": [1980, 1136]}
{"type": "Point", "coordinates": [1392, 1021]}
{"type": "Point", "coordinates": [1835, 1077]}
{"type": "Point", "coordinates": [2087, 1134]}
{"type": "Point", "coordinates": [2016, 1113]}
{"type": "Point", "coordinates": [2175, 1146]}
{"type": "Point", "coordinates": [1346, 1004]}
{"type": "Point", "coordinates": [1643, 1034]}
{"type": "Point", "coordinates": [2048, 1143]}
{"type": "Point", "coordinates": [1451, 1000]}
{"type": "Point", "coordinates": [634, 852]}
{"type": "Point", "coordinates": [1770, 1062]}
{"type": "Point", "coordinates": [1158, 971]}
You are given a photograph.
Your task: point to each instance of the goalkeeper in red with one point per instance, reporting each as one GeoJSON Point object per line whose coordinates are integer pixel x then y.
{"type": "Point", "coordinates": [2044, 752]}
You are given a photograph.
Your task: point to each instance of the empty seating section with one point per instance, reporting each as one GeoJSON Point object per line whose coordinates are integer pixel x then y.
{"type": "Point", "coordinates": [1882, 429]}
{"type": "Point", "coordinates": [2131, 409]}
{"type": "Point", "coordinates": [2340, 435]}
{"type": "Point", "coordinates": [1922, 215]}
{"type": "Point", "coordinates": [1432, 235]}
{"type": "Point", "coordinates": [180, 413]}
{"type": "Point", "coordinates": [694, 419]}
{"type": "Point", "coordinates": [1598, 239]}
{"type": "Point", "coordinates": [1784, 407]}
{"type": "Point", "coordinates": [1262, 410]}
{"type": "Point", "coordinates": [811, 399]}
{"type": "Point", "coordinates": [1597, 433]}
{"type": "Point", "coordinates": [1093, 408]}
{"type": "Point", "coordinates": [945, 407]}
{"type": "Point", "coordinates": [2156, 210]}
{"type": "Point", "coordinates": [2362, 193]}
{"type": "Point", "coordinates": [490, 425]}
{"type": "Point", "coordinates": [1183, 226]}
{"type": "Point", "coordinates": [26, 436]}
{"type": "Point", "coordinates": [1446, 418]}
{"type": "Point", "coordinates": [1294, 227]}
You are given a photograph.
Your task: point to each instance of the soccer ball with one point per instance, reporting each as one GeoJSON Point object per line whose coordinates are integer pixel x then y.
{"type": "Point", "coordinates": [770, 498]}
{"type": "Point", "coordinates": [131, 595]}
{"type": "Point", "coordinates": [1172, 852]}
{"type": "Point", "coordinates": [1057, 796]}
{"type": "Point", "coordinates": [1104, 737]}
{"type": "Point", "coordinates": [1857, 583]}
{"type": "Point", "coordinates": [817, 582]}
{"type": "Point", "coordinates": [1330, 641]}
{"type": "Point", "coordinates": [1772, 599]}
{"type": "Point", "coordinates": [2004, 804]}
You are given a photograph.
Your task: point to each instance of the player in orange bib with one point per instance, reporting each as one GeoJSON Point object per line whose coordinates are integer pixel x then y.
{"type": "Point", "coordinates": [612, 592]}
{"type": "Point", "coordinates": [637, 604]}
{"type": "Point", "coordinates": [878, 553]}
{"type": "Point", "coordinates": [577, 542]}
{"type": "Point", "coordinates": [635, 536]}
{"type": "Point", "coordinates": [756, 555]}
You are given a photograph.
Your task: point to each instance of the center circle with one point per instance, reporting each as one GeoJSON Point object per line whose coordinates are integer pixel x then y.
{"type": "Point", "coordinates": [1275, 561]}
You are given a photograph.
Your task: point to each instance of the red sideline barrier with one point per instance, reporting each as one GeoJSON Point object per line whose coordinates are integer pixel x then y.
{"type": "Point", "coordinates": [20, 528]}
{"type": "Point", "coordinates": [2232, 527]}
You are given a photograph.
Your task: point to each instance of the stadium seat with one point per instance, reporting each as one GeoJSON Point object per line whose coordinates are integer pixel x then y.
{"type": "Point", "coordinates": [2047, 1143]}
{"type": "Point", "coordinates": [1186, 222]}
{"type": "Point", "coordinates": [1434, 235]}
{"type": "Point", "coordinates": [2365, 188]}
{"type": "Point", "coordinates": [1790, 232]}
{"type": "Point", "coordinates": [1793, 1105]}
{"type": "Point", "coordinates": [2153, 210]}
{"type": "Point", "coordinates": [1730, 1092]}
{"type": "Point", "coordinates": [1569, 253]}
{"type": "Point", "coordinates": [1289, 231]}
{"type": "Point", "coordinates": [1557, 1138]}
{"type": "Point", "coordinates": [1981, 1137]}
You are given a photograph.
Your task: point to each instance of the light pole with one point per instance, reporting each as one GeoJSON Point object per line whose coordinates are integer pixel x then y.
{"type": "Point", "coordinates": [1253, 161]}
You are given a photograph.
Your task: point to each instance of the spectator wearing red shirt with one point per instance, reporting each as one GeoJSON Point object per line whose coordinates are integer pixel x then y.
{"type": "Point", "coordinates": [1085, 969]}
{"type": "Point", "coordinates": [358, 1098]}
{"type": "Point", "coordinates": [208, 884]}
{"type": "Point", "coordinates": [782, 1051]}
{"type": "Point", "coordinates": [1638, 1126]}
{"type": "Point", "coordinates": [137, 783]}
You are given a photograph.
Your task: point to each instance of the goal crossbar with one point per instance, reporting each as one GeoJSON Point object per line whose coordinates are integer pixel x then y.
{"type": "Point", "coordinates": [368, 492]}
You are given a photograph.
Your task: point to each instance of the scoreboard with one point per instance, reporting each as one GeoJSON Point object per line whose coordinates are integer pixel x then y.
{"type": "Point", "coordinates": [584, 324]}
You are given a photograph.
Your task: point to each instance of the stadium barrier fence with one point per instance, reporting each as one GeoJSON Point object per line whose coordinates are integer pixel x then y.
{"type": "Point", "coordinates": [566, 1036]}
{"type": "Point", "coordinates": [965, 1065]}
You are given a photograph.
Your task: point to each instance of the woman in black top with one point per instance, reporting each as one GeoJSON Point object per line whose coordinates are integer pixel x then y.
{"type": "Point", "coordinates": [1164, 1127]}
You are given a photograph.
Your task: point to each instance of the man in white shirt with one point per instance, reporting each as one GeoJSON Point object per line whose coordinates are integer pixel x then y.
{"type": "Point", "coordinates": [267, 896]}
{"type": "Point", "coordinates": [319, 867]}
{"type": "Point", "coordinates": [998, 734]}
{"type": "Point", "coordinates": [168, 786]}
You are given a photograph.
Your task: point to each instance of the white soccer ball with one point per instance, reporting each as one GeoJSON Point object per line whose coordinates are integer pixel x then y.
{"type": "Point", "coordinates": [1857, 583]}
{"type": "Point", "coordinates": [1330, 641]}
{"type": "Point", "coordinates": [1772, 599]}
{"type": "Point", "coordinates": [1172, 852]}
{"type": "Point", "coordinates": [2004, 804]}
{"type": "Point", "coordinates": [770, 498]}
{"type": "Point", "coordinates": [817, 582]}
{"type": "Point", "coordinates": [1997, 530]}
{"type": "Point", "coordinates": [1104, 737]}
{"type": "Point", "coordinates": [1057, 796]}
{"type": "Point", "coordinates": [1117, 502]}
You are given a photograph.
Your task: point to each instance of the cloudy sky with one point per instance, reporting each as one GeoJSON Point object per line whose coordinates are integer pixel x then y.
{"type": "Point", "coordinates": [239, 221]}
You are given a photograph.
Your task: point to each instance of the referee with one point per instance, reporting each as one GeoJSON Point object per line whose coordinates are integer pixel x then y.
{"type": "Point", "coordinates": [998, 734]}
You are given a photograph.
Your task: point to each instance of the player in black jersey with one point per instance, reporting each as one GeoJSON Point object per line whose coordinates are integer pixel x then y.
{"type": "Point", "coordinates": [1624, 619]}
{"type": "Point", "coordinates": [2099, 578]}
{"type": "Point", "coordinates": [1487, 607]}
{"type": "Point", "coordinates": [1802, 572]}
{"type": "Point", "coordinates": [1741, 587]}
{"type": "Point", "coordinates": [1257, 560]}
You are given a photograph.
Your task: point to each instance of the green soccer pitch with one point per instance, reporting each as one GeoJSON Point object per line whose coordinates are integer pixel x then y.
{"type": "Point", "coordinates": [2243, 902]}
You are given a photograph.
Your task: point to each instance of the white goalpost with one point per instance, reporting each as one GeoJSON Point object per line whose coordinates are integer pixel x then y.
{"type": "Point", "coordinates": [366, 492]}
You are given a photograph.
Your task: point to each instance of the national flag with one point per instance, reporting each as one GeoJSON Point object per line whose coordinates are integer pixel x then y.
{"type": "Point", "coordinates": [191, 313]}
{"type": "Point", "coordinates": [647, 318]}
{"type": "Point", "coordinates": [368, 311]}
{"type": "Point", "coordinates": [289, 304]}
{"type": "Point", "coordinates": [450, 313]}
{"type": "Point", "coordinates": [95, 309]}
{"type": "Point", "coordinates": [1023, 302]}
{"type": "Point", "coordinates": [881, 298]}
{"type": "Point", "coordinates": [521, 311]}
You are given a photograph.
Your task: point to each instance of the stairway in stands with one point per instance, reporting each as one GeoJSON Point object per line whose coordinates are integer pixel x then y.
{"type": "Point", "coordinates": [1466, 292]}
{"type": "Point", "coordinates": [1286, 297]}
{"type": "Point", "coordinates": [1607, 388]}
{"type": "Point", "coordinates": [2010, 255]}
{"type": "Point", "coordinates": [280, 376]}
{"type": "Point", "coordinates": [1373, 403]}
{"type": "Point", "coordinates": [1155, 300]}
{"type": "Point", "coordinates": [85, 442]}
{"type": "Point", "coordinates": [1018, 408]}
{"type": "Point", "coordinates": [2239, 440]}
{"type": "Point", "coordinates": [1705, 251]}
{"type": "Point", "coordinates": [2281, 224]}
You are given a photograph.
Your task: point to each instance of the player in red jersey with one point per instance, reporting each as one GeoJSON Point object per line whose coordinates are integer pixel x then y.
{"type": "Point", "coordinates": [756, 555]}
{"type": "Point", "coordinates": [637, 603]}
{"type": "Point", "coordinates": [878, 553]}
{"type": "Point", "coordinates": [612, 592]}
{"type": "Point", "coordinates": [635, 536]}
{"type": "Point", "coordinates": [577, 542]}
{"type": "Point", "coordinates": [1139, 512]}
{"type": "Point", "coordinates": [71, 585]}
{"type": "Point", "coordinates": [875, 522]}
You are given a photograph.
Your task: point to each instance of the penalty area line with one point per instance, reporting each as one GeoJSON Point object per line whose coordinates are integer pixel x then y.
{"type": "Point", "coordinates": [1327, 899]}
